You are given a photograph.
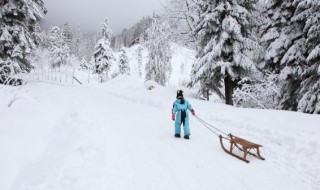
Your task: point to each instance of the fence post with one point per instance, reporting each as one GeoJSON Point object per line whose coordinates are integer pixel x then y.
{"type": "Point", "coordinates": [60, 74]}
{"type": "Point", "coordinates": [88, 76]}
{"type": "Point", "coordinates": [66, 75]}
{"type": "Point", "coordinates": [72, 75]}
{"type": "Point", "coordinates": [52, 74]}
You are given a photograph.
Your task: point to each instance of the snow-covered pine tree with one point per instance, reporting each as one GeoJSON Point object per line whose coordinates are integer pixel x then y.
{"type": "Point", "coordinates": [103, 55]}
{"type": "Point", "coordinates": [77, 42]}
{"type": "Point", "coordinates": [132, 35]}
{"type": "Point", "coordinates": [139, 53]}
{"type": "Point", "coordinates": [59, 51]}
{"type": "Point", "coordinates": [277, 33]}
{"type": "Point", "coordinates": [158, 67]}
{"type": "Point", "coordinates": [227, 45]}
{"type": "Point", "coordinates": [18, 22]}
{"type": "Point", "coordinates": [308, 13]}
{"type": "Point", "coordinates": [67, 35]}
{"type": "Point", "coordinates": [39, 35]}
{"type": "Point", "coordinates": [105, 31]}
{"type": "Point", "coordinates": [124, 67]}
{"type": "Point", "coordinates": [141, 38]}
{"type": "Point", "coordinates": [88, 43]}
{"type": "Point", "coordinates": [84, 65]}
{"type": "Point", "coordinates": [54, 37]}
{"type": "Point", "coordinates": [285, 49]}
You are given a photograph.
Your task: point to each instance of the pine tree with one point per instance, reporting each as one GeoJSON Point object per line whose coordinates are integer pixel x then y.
{"type": "Point", "coordinates": [308, 13]}
{"type": "Point", "coordinates": [103, 55]}
{"type": "Point", "coordinates": [285, 50]}
{"type": "Point", "coordinates": [158, 67]}
{"type": "Point", "coordinates": [134, 33]}
{"type": "Point", "coordinates": [59, 51]}
{"type": "Point", "coordinates": [124, 67]}
{"type": "Point", "coordinates": [88, 44]}
{"type": "Point", "coordinates": [77, 42]}
{"type": "Point", "coordinates": [105, 31]}
{"type": "Point", "coordinates": [67, 35]}
{"type": "Point", "coordinates": [226, 45]}
{"type": "Point", "coordinates": [278, 33]}
{"type": "Point", "coordinates": [38, 35]}
{"type": "Point", "coordinates": [141, 38]}
{"type": "Point", "coordinates": [54, 37]}
{"type": "Point", "coordinates": [139, 53]}
{"type": "Point", "coordinates": [291, 37]}
{"type": "Point", "coordinates": [84, 65]}
{"type": "Point", "coordinates": [18, 24]}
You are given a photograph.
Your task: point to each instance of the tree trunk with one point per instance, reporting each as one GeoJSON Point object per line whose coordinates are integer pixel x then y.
{"type": "Point", "coordinates": [229, 87]}
{"type": "Point", "coordinates": [207, 95]}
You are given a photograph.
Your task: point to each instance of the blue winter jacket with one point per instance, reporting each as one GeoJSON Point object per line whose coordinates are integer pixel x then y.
{"type": "Point", "coordinates": [178, 107]}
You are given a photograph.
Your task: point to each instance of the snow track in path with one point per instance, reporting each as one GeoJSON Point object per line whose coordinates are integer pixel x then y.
{"type": "Point", "coordinates": [95, 139]}
{"type": "Point", "coordinates": [72, 158]}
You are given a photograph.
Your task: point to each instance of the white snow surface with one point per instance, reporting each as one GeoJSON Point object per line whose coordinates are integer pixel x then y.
{"type": "Point", "coordinates": [119, 135]}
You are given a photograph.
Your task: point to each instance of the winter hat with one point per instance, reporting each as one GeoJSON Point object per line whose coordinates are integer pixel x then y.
{"type": "Point", "coordinates": [179, 93]}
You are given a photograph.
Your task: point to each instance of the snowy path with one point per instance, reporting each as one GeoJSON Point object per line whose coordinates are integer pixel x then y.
{"type": "Point", "coordinates": [88, 138]}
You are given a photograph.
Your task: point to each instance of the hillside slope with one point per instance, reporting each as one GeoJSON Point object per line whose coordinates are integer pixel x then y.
{"type": "Point", "coordinates": [119, 136]}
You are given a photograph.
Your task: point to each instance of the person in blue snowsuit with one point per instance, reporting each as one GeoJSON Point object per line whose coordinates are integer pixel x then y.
{"type": "Point", "coordinates": [180, 107]}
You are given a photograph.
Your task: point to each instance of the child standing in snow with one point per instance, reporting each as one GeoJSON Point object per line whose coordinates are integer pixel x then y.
{"type": "Point", "coordinates": [180, 107]}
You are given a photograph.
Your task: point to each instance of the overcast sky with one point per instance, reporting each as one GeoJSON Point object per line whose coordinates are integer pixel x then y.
{"type": "Point", "coordinates": [90, 13]}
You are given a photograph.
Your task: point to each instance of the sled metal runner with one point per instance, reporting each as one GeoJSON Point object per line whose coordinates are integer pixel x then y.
{"type": "Point", "coordinates": [243, 145]}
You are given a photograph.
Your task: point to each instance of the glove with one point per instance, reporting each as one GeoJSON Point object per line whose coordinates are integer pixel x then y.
{"type": "Point", "coordinates": [173, 117]}
{"type": "Point", "coordinates": [193, 112]}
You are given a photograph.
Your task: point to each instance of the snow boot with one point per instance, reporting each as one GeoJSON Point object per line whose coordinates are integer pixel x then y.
{"type": "Point", "coordinates": [186, 137]}
{"type": "Point", "coordinates": [177, 135]}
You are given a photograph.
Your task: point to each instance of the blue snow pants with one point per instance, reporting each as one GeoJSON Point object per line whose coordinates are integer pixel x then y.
{"type": "Point", "coordinates": [182, 116]}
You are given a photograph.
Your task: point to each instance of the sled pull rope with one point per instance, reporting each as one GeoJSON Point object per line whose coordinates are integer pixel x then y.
{"type": "Point", "coordinates": [207, 125]}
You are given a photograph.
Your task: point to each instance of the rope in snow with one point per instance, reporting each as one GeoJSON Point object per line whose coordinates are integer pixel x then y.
{"type": "Point", "coordinates": [209, 126]}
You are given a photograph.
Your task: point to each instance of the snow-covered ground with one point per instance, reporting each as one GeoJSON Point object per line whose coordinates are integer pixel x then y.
{"type": "Point", "coordinates": [119, 135]}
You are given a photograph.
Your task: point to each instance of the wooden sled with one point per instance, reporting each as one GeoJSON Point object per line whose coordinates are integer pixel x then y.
{"type": "Point", "coordinates": [243, 145]}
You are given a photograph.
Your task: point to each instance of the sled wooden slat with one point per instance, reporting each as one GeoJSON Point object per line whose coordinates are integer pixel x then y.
{"type": "Point", "coordinates": [243, 145]}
